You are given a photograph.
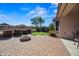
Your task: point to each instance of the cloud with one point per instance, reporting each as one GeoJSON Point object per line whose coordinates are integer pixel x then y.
{"type": "Point", "coordinates": [56, 4]}
{"type": "Point", "coordinates": [9, 18]}
{"type": "Point", "coordinates": [44, 13]}
{"type": "Point", "coordinates": [24, 9]}
{"type": "Point", "coordinates": [16, 18]}
{"type": "Point", "coordinates": [38, 11]}
{"type": "Point", "coordinates": [4, 17]}
{"type": "Point", "coordinates": [55, 11]}
{"type": "Point", "coordinates": [53, 5]}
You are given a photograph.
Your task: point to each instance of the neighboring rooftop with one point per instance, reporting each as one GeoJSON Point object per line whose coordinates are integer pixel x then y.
{"type": "Point", "coordinates": [5, 26]}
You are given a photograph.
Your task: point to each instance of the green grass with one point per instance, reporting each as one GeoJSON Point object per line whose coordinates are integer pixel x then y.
{"type": "Point", "coordinates": [39, 33]}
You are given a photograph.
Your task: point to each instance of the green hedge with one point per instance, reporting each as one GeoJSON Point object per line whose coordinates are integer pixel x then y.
{"type": "Point", "coordinates": [52, 33]}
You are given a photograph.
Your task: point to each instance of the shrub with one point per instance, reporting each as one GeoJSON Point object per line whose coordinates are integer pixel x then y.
{"type": "Point", "coordinates": [52, 33]}
{"type": "Point", "coordinates": [52, 27]}
{"type": "Point", "coordinates": [45, 29]}
{"type": "Point", "coordinates": [42, 29]}
{"type": "Point", "coordinates": [38, 29]}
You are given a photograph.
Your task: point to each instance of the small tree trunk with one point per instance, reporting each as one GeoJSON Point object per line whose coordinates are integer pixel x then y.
{"type": "Point", "coordinates": [40, 27]}
{"type": "Point", "coordinates": [36, 27]}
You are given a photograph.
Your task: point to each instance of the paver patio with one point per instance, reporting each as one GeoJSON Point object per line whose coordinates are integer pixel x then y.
{"type": "Point", "coordinates": [37, 46]}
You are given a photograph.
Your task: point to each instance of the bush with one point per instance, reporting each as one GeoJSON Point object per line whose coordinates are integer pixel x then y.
{"type": "Point", "coordinates": [38, 29]}
{"type": "Point", "coordinates": [45, 29]}
{"type": "Point", "coordinates": [52, 33]}
{"type": "Point", "coordinates": [42, 29]}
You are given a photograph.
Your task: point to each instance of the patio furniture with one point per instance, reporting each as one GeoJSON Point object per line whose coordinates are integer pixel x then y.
{"type": "Point", "coordinates": [76, 38]}
{"type": "Point", "coordinates": [25, 38]}
{"type": "Point", "coordinates": [17, 32]}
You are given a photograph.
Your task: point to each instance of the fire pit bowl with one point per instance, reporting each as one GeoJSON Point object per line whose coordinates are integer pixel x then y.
{"type": "Point", "coordinates": [25, 38]}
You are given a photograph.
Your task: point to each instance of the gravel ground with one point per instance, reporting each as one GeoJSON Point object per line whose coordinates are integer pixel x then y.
{"type": "Point", "coordinates": [37, 46]}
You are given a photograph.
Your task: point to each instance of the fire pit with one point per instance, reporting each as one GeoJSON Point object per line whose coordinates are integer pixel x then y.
{"type": "Point", "coordinates": [25, 38]}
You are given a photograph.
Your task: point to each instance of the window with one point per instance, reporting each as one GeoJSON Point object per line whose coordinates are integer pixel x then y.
{"type": "Point", "coordinates": [57, 25]}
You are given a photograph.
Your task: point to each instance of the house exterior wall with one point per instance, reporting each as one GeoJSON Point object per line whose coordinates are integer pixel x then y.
{"type": "Point", "coordinates": [68, 24]}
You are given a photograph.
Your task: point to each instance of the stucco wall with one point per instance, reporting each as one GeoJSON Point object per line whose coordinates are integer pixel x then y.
{"type": "Point", "coordinates": [68, 24]}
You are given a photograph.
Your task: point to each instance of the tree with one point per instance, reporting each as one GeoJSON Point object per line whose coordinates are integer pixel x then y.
{"type": "Point", "coordinates": [34, 21]}
{"type": "Point", "coordinates": [37, 21]}
{"type": "Point", "coordinates": [52, 27]}
{"type": "Point", "coordinates": [40, 21]}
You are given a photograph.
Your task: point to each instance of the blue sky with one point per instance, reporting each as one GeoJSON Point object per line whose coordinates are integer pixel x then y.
{"type": "Point", "coordinates": [21, 13]}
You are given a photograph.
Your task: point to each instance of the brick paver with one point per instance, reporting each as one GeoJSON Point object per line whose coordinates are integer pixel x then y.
{"type": "Point", "coordinates": [37, 46]}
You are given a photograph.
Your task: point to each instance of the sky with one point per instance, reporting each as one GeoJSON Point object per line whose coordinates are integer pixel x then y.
{"type": "Point", "coordinates": [22, 13]}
